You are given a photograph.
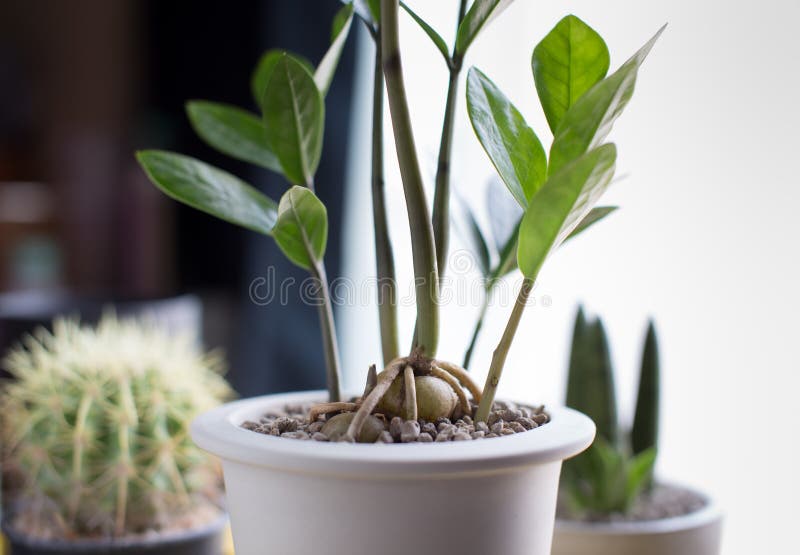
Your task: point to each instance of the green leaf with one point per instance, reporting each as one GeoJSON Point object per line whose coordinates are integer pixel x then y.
{"type": "Point", "coordinates": [294, 114]}
{"type": "Point", "coordinates": [477, 17]}
{"type": "Point", "coordinates": [560, 205]}
{"type": "Point", "coordinates": [569, 61]}
{"type": "Point", "coordinates": [209, 189]}
{"type": "Point", "coordinates": [512, 146]}
{"type": "Point", "coordinates": [233, 131]}
{"type": "Point", "coordinates": [263, 71]}
{"type": "Point", "coordinates": [340, 29]}
{"type": "Point", "coordinates": [639, 471]}
{"type": "Point", "coordinates": [473, 236]}
{"type": "Point", "coordinates": [588, 122]}
{"type": "Point", "coordinates": [302, 228]}
{"type": "Point", "coordinates": [594, 216]}
{"type": "Point", "coordinates": [438, 41]}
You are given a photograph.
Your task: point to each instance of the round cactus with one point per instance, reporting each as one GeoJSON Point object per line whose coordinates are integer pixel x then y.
{"type": "Point", "coordinates": [96, 421]}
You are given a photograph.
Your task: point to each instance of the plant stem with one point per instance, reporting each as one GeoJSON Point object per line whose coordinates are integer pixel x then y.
{"type": "Point", "coordinates": [476, 332]}
{"type": "Point", "coordinates": [424, 250]}
{"type": "Point", "coordinates": [328, 328]}
{"type": "Point", "coordinates": [384, 256]}
{"type": "Point", "coordinates": [501, 352]}
{"type": "Point", "coordinates": [441, 197]}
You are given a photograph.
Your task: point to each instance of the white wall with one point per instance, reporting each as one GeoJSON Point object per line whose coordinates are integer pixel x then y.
{"type": "Point", "coordinates": [705, 241]}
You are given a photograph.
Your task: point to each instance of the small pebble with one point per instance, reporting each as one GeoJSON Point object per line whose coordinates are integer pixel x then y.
{"type": "Point", "coordinates": [507, 432]}
{"type": "Point", "coordinates": [286, 424]}
{"type": "Point", "coordinates": [394, 427]}
{"type": "Point", "coordinates": [319, 436]}
{"type": "Point", "coordinates": [477, 435]}
{"type": "Point", "coordinates": [385, 437]}
{"type": "Point", "coordinates": [517, 427]}
{"type": "Point", "coordinates": [315, 427]}
{"type": "Point", "coordinates": [482, 427]}
{"type": "Point", "coordinates": [249, 425]}
{"type": "Point", "coordinates": [497, 427]}
{"type": "Point", "coordinates": [467, 418]}
{"type": "Point", "coordinates": [409, 431]}
{"type": "Point", "coordinates": [540, 418]}
{"type": "Point", "coordinates": [442, 437]}
{"type": "Point", "coordinates": [461, 436]}
{"type": "Point", "coordinates": [527, 423]}
{"type": "Point", "coordinates": [429, 428]}
{"type": "Point", "coordinates": [425, 437]}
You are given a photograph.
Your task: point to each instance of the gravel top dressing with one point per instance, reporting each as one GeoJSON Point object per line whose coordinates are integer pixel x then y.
{"type": "Point", "coordinates": [504, 419]}
{"type": "Point", "coordinates": [663, 501]}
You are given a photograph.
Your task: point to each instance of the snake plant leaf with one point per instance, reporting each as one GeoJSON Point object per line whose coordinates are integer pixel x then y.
{"type": "Point", "coordinates": [569, 61]}
{"type": "Point", "coordinates": [477, 17]}
{"type": "Point", "coordinates": [512, 146]}
{"type": "Point", "coordinates": [561, 204]}
{"type": "Point", "coordinates": [594, 216]}
{"type": "Point", "coordinates": [639, 472]}
{"type": "Point", "coordinates": [232, 131]}
{"type": "Point", "coordinates": [644, 434]}
{"type": "Point", "coordinates": [209, 189]}
{"type": "Point", "coordinates": [263, 71]}
{"type": "Point", "coordinates": [339, 32]}
{"type": "Point", "coordinates": [588, 122]}
{"type": "Point", "coordinates": [301, 231]}
{"type": "Point", "coordinates": [294, 116]}
{"type": "Point", "coordinates": [437, 39]}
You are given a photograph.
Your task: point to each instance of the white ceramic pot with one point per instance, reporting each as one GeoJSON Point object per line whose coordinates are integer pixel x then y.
{"type": "Point", "coordinates": [292, 497]}
{"type": "Point", "coordinates": [698, 533]}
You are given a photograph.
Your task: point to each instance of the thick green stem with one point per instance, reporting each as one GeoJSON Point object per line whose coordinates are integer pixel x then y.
{"type": "Point", "coordinates": [476, 332]}
{"type": "Point", "coordinates": [424, 250]}
{"type": "Point", "coordinates": [384, 255]}
{"type": "Point", "coordinates": [328, 328]}
{"type": "Point", "coordinates": [441, 197]}
{"type": "Point", "coordinates": [501, 352]}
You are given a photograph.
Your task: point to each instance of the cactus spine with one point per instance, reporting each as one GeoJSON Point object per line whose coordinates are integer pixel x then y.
{"type": "Point", "coordinates": [96, 422]}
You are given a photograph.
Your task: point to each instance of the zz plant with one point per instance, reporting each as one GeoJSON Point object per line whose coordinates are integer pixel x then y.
{"type": "Point", "coordinates": [556, 194]}
{"type": "Point", "coordinates": [618, 467]}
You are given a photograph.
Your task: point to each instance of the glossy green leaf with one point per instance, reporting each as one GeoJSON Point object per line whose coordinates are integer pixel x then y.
{"type": "Point", "coordinates": [560, 205]}
{"type": "Point", "coordinates": [569, 61]}
{"type": "Point", "coordinates": [594, 216]}
{"type": "Point", "coordinates": [302, 228]}
{"type": "Point", "coordinates": [209, 189]}
{"type": "Point", "coordinates": [232, 131]}
{"type": "Point", "coordinates": [477, 17]}
{"type": "Point", "coordinates": [339, 32]}
{"type": "Point", "coordinates": [512, 146]}
{"type": "Point", "coordinates": [294, 115]}
{"type": "Point", "coordinates": [588, 122]}
{"type": "Point", "coordinates": [263, 71]}
{"type": "Point", "coordinates": [438, 41]}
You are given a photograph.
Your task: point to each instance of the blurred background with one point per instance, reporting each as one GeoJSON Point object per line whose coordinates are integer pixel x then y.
{"type": "Point", "coordinates": [705, 242]}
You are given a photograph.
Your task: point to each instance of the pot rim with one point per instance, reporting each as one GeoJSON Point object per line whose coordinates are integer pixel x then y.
{"type": "Point", "coordinates": [708, 515]}
{"type": "Point", "coordinates": [17, 537]}
{"type": "Point", "coordinates": [219, 431]}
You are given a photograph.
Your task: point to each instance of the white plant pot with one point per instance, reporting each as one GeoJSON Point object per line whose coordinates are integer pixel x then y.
{"type": "Point", "coordinates": [697, 533]}
{"type": "Point", "coordinates": [287, 496]}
